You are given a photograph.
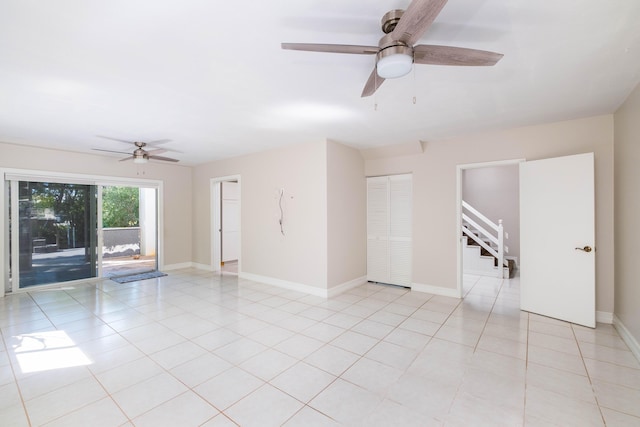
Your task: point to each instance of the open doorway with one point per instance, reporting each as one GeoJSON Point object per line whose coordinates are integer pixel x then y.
{"type": "Point", "coordinates": [129, 230]}
{"type": "Point", "coordinates": [488, 222]}
{"type": "Point", "coordinates": [226, 224]}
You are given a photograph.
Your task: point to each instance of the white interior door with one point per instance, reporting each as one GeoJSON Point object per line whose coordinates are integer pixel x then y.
{"type": "Point", "coordinates": [557, 238]}
{"type": "Point", "coordinates": [377, 229]}
{"type": "Point", "coordinates": [230, 221]}
{"type": "Point", "coordinates": [389, 246]}
{"type": "Point", "coordinates": [400, 195]}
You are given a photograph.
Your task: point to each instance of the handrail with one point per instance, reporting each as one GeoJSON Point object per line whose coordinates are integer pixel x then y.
{"type": "Point", "coordinates": [477, 213]}
{"type": "Point", "coordinates": [497, 239]}
{"type": "Point", "coordinates": [480, 229]}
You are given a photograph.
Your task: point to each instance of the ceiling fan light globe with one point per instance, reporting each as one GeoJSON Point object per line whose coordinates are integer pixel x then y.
{"type": "Point", "coordinates": [139, 160]}
{"type": "Point", "coordinates": [394, 62]}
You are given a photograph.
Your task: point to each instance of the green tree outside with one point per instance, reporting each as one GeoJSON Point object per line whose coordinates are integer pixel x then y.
{"type": "Point", "coordinates": [120, 206]}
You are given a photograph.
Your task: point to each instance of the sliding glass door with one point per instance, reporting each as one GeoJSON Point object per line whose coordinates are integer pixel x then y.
{"type": "Point", "coordinates": [57, 232]}
{"type": "Point", "coordinates": [69, 228]}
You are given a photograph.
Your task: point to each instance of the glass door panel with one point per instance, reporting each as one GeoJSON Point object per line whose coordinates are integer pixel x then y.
{"type": "Point", "coordinates": [57, 229]}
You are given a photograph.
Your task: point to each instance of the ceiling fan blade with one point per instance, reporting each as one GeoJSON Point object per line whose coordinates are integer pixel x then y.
{"type": "Point", "coordinates": [164, 159]}
{"type": "Point", "coordinates": [126, 158]}
{"type": "Point", "coordinates": [163, 149]}
{"type": "Point", "coordinates": [158, 141]}
{"type": "Point", "coordinates": [450, 55]}
{"type": "Point", "coordinates": [416, 20]}
{"type": "Point", "coordinates": [372, 84]}
{"type": "Point", "coordinates": [110, 151]}
{"type": "Point", "coordinates": [332, 48]}
{"type": "Point", "coordinates": [155, 152]}
{"type": "Point", "coordinates": [115, 139]}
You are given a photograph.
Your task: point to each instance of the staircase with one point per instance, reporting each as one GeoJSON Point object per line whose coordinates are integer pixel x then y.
{"type": "Point", "coordinates": [483, 245]}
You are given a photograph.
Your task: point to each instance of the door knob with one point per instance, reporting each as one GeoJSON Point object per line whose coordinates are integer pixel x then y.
{"type": "Point", "coordinates": [585, 249]}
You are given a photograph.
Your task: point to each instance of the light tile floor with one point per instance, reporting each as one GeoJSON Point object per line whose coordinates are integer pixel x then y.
{"type": "Point", "coordinates": [195, 348]}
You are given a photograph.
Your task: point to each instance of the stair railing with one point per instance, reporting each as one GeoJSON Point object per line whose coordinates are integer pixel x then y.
{"type": "Point", "coordinates": [480, 234]}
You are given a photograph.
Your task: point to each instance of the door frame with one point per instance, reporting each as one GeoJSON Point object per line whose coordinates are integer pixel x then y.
{"type": "Point", "coordinates": [216, 214]}
{"type": "Point", "coordinates": [459, 248]}
{"type": "Point", "coordinates": [11, 174]}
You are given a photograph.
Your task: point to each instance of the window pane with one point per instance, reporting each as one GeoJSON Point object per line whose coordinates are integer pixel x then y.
{"type": "Point", "coordinates": [57, 229]}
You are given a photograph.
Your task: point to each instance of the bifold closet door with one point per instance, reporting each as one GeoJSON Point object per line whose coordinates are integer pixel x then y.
{"type": "Point", "coordinates": [378, 229]}
{"type": "Point", "coordinates": [389, 229]}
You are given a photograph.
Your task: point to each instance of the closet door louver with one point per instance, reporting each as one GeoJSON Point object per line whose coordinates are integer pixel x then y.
{"type": "Point", "coordinates": [400, 230]}
{"type": "Point", "coordinates": [389, 229]}
{"type": "Point", "coordinates": [377, 229]}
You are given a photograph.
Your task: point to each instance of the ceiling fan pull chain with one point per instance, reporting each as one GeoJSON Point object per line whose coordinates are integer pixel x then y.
{"type": "Point", "coordinates": [414, 86]}
{"type": "Point", "coordinates": [375, 94]}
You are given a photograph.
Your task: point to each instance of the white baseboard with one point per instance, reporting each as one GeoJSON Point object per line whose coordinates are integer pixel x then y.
{"type": "Point", "coordinates": [199, 266]}
{"type": "Point", "coordinates": [178, 266]}
{"type": "Point", "coordinates": [627, 337]}
{"type": "Point", "coordinates": [604, 317]}
{"type": "Point", "coordinates": [344, 287]}
{"type": "Point", "coordinates": [436, 290]}
{"type": "Point", "coordinates": [299, 287]}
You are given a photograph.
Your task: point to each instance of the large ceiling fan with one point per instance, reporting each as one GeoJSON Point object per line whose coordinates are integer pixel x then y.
{"type": "Point", "coordinates": [396, 53]}
{"type": "Point", "coordinates": [140, 155]}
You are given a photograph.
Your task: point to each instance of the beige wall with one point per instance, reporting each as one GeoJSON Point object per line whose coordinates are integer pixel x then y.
{"type": "Point", "coordinates": [176, 182]}
{"type": "Point", "coordinates": [627, 208]}
{"type": "Point", "coordinates": [434, 180]}
{"type": "Point", "coordinates": [324, 213]}
{"type": "Point", "coordinates": [300, 256]}
{"type": "Point", "coordinates": [346, 215]}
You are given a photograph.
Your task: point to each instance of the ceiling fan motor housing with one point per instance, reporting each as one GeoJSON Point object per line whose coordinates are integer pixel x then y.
{"type": "Point", "coordinates": [390, 20]}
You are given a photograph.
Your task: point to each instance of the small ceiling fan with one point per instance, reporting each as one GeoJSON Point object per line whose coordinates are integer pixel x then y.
{"type": "Point", "coordinates": [140, 155]}
{"type": "Point", "coordinates": [396, 53]}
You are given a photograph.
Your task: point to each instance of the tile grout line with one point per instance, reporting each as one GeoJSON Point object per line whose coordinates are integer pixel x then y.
{"type": "Point", "coordinates": [593, 390]}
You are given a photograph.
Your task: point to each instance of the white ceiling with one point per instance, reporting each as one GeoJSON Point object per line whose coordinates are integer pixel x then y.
{"type": "Point", "coordinates": [211, 76]}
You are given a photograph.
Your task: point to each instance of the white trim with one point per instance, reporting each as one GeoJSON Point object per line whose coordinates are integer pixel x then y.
{"type": "Point", "coordinates": [627, 337]}
{"type": "Point", "coordinates": [180, 266]}
{"type": "Point", "coordinates": [4, 240]}
{"type": "Point", "coordinates": [73, 178]}
{"type": "Point", "coordinates": [71, 284]}
{"type": "Point", "coordinates": [214, 209]}
{"type": "Point", "coordinates": [160, 226]}
{"type": "Point", "coordinates": [11, 174]}
{"type": "Point", "coordinates": [604, 317]}
{"type": "Point", "coordinates": [15, 238]}
{"type": "Point", "coordinates": [200, 266]}
{"type": "Point", "coordinates": [344, 287]}
{"type": "Point", "coordinates": [436, 290]}
{"type": "Point", "coordinates": [458, 222]}
{"type": "Point", "coordinates": [299, 287]}
{"type": "Point", "coordinates": [100, 231]}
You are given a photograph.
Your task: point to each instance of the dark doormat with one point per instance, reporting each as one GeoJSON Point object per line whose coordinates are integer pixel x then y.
{"type": "Point", "coordinates": [137, 277]}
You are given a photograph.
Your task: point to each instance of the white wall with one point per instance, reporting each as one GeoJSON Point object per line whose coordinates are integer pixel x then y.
{"type": "Point", "coordinates": [176, 182]}
{"type": "Point", "coordinates": [627, 213]}
{"type": "Point", "coordinates": [434, 201]}
{"type": "Point", "coordinates": [494, 192]}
